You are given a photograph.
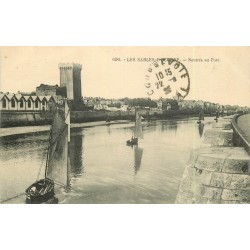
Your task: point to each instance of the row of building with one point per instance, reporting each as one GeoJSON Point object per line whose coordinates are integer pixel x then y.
{"type": "Point", "coordinates": [37, 101]}
{"type": "Point", "coordinates": [209, 106]}
{"type": "Point", "coordinates": [161, 104]}
{"type": "Point", "coordinates": [19, 101]}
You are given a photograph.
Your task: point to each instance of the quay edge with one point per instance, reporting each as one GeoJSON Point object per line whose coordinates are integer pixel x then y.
{"type": "Point", "coordinates": [219, 171]}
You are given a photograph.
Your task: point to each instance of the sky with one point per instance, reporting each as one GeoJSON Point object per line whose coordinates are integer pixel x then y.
{"type": "Point", "coordinates": [217, 74]}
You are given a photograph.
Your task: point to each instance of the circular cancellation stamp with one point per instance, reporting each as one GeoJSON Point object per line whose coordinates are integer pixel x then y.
{"type": "Point", "coordinates": [167, 77]}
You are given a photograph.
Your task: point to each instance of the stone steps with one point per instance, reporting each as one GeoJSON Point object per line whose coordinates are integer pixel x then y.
{"type": "Point", "coordinates": [217, 137]}
{"type": "Point", "coordinates": [217, 172]}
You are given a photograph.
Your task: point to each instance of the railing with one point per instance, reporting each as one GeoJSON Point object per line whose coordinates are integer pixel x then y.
{"type": "Point", "coordinates": [238, 137]}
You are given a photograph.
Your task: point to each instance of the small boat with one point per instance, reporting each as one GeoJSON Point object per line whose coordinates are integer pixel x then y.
{"type": "Point", "coordinates": [201, 117]}
{"type": "Point", "coordinates": [132, 142]}
{"type": "Point", "coordinates": [57, 159]}
{"type": "Point", "coordinates": [40, 191]}
{"type": "Point", "coordinates": [137, 131]}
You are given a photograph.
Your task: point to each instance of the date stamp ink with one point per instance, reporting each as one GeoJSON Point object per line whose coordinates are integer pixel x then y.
{"type": "Point", "coordinates": [167, 77]}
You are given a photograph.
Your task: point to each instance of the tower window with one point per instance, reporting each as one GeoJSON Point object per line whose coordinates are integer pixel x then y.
{"type": "Point", "coordinates": [29, 103]}
{"type": "Point", "coordinates": [21, 104]}
{"type": "Point", "coordinates": [13, 103]}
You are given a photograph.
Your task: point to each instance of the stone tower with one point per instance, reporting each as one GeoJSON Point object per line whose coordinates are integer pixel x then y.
{"type": "Point", "coordinates": [70, 77]}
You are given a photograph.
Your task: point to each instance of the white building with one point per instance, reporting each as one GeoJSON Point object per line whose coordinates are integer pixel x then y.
{"type": "Point", "coordinates": [124, 107]}
{"type": "Point", "coordinates": [25, 102]}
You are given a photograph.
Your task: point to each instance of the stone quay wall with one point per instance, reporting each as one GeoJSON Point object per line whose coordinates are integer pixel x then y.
{"type": "Point", "coordinates": [218, 172]}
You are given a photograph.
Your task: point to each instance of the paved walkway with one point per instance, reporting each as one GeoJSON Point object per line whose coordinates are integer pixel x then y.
{"type": "Point", "coordinates": [244, 124]}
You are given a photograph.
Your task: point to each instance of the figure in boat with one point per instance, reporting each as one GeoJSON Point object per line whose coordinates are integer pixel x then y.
{"type": "Point", "coordinates": [132, 141]}
{"type": "Point", "coordinates": [137, 131]}
{"type": "Point", "coordinates": [57, 159]}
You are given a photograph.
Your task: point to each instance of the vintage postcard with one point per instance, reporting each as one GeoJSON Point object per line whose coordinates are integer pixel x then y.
{"type": "Point", "coordinates": [124, 125]}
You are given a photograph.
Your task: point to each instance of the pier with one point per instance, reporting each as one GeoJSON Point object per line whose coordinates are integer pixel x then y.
{"type": "Point", "coordinates": [218, 171]}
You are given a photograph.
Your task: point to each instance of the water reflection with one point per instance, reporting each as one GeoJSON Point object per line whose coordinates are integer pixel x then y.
{"type": "Point", "coordinates": [108, 128]}
{"type": "Point", "coordinates": [18, 144]}
{"type": "Point", "coordinates": [109, 166]}
{"type": "Point", "coordinates": [137, 158]}
{"type": "Point", "coordinates": [201, 129]}
{"type": "Point", "coordinates": [171, 126]}
{"type": "Point", "coordinates": [76, 154]}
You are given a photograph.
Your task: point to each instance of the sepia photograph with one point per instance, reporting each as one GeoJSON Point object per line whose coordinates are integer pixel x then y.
{"type": "Point", "coordinates": [124, 125]}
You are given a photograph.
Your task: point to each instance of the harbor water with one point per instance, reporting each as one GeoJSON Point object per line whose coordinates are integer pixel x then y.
{"type": "Point", "coordinates": [103, 169]}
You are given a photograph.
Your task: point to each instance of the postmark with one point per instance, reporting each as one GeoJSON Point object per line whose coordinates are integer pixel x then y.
{"type": "Point", "coordinates": [167, 77]}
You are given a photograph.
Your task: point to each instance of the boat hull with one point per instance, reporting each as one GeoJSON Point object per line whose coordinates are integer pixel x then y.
{"type": "Point", "coordinates": [40, 191]}
{"type": "Point", "coordinates": [132, 142]}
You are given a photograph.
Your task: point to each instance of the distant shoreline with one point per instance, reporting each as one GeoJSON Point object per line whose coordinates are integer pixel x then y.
{"type": "Point", "coordinates": [19, 119]}
{"type": "Point", "coordinates": [34, 129]}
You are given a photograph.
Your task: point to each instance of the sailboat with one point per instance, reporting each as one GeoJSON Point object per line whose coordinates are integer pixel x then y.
{"type": "Point", "coordinates": [217, 116]}
{"type": "Point", "coordinates": [201, 117]}
{"type": "Point", "coordinates": [137, 131]}
{"type": "Point", "coordinates": [57, 159]}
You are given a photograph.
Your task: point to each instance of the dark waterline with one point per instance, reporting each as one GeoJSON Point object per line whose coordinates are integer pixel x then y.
{"type": "Point", "coordinates": [102, 166]}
